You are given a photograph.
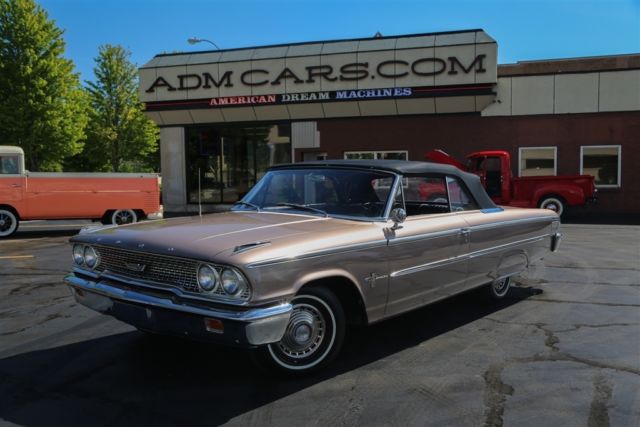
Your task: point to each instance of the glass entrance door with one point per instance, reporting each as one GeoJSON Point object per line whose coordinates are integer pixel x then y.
{"type": "Point", "coordinates": [224, 162]}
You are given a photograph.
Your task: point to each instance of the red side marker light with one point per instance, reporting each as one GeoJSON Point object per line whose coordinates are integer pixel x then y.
{"type": "Point", "coordinates": [214, 325]}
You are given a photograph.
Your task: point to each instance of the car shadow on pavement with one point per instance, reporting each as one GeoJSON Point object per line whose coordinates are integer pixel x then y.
{"type": "Point", "coordinates": [136, 379]}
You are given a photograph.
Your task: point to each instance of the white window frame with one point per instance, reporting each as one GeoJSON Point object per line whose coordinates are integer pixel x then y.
{"type": "Point", "coordinates": [619, 147]}
{"type": "Point", "coordinates": [375, 153]}
{"type": "Point", "coordinates": [555, 157]}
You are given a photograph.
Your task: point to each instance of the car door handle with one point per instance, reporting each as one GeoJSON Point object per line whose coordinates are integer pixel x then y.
{"type": "Point", "coordinates": [465, 233]}
{"type": "Point", "coordinates": [15, 185]}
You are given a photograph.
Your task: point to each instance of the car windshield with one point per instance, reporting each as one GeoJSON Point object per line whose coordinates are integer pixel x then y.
{"type": "Point", "coordinates": [321, 191]}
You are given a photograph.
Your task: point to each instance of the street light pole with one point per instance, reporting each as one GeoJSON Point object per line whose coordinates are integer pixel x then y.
{"type": "Point", "coordinates": [195, 40]}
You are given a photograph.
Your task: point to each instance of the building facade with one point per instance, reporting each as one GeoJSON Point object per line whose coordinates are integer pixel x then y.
{"type": "Point", "coordinates": [226, 116]}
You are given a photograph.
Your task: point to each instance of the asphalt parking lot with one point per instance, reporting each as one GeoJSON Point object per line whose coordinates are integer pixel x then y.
{"type": "Point", "coordinates": [562, 350]}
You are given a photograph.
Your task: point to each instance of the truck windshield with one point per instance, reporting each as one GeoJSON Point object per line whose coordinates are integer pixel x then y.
{"type": "Point", "coordinates": [321, 191]}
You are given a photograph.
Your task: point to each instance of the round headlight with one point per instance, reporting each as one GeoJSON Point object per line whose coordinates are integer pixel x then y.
{"type": "Point", "coordinates": [90, 257]}
{"type": "Point", "coordinates": [208, 278]}
{"type": "Point", "coordinates": [232, 282]}
{"type": "Point", "coordinates": [78, 254]}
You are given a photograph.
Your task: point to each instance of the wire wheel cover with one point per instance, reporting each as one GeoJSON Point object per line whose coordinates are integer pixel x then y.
{"type": "Point", "coordinates": [305, 332]}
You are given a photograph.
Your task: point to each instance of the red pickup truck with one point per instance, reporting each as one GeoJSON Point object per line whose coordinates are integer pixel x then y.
{"type": "Point", "coordinates": [550, 192]}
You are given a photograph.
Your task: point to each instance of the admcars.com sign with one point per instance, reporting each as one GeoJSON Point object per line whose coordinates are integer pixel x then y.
{"type": "Point", "coordinates": [440, 65]}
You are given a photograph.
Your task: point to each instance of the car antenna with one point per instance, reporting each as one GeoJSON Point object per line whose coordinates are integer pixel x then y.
{"type": "Point", "coordinates": [199, 196]}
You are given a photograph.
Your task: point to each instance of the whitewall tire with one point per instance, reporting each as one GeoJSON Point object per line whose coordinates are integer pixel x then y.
{"type": "Point", "coordinates": [124, 216]}
{"type": "Point", "coordinates": [552, 203]}
{"type": "Point", "coordinates": [8, 222]}
{"type": "Point", "coordinates": [498, 289]}
{"type": "Point", "coordinates": [313, 337]}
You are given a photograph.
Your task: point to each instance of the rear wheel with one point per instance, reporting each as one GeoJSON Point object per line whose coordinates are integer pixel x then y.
{"type": "Point", "coordinates": [498, 289]}
{"type": "Point", "coordinates": [8, 222]}
{"type": "Point", "coordinates": [554, 203]}
{"type": "Point", "coordinates": [313, 337]}
{"type": "Point", "coordinates": [123, 216]}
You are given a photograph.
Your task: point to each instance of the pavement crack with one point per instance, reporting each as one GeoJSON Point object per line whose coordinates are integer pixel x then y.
{"type": "Point", "coordinates": [599, 410]}
{"type": "Point", "coordinates": [495, 396]}
{"type": "Point", "coordinates": [558, 301]}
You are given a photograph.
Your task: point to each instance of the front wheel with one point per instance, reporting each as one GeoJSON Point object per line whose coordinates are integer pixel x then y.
{"type": "Point", "coordinates": [553, 203]}
{"type": "Point", "coordinates": [8, 222]}
{"type": "Point", "coordinates": [313, 337]}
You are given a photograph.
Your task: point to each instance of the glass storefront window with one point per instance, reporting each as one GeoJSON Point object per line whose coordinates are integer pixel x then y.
{"type": "Point", "coordinates": [225, 161]}
{"type": "Point", "coordinates": [371, 155]}
{"type": "Point", "coordinates": [537, 161]}
{"type": "Point", "coordinates": [603, 162]}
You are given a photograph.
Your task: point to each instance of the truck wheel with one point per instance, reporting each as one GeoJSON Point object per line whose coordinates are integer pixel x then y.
{"type": "Point", "coordinates": [8, 222]}
{"type": "Point", "coordinates": [554, 203]}
{"type": "Point", "coordinates": [123, 216]}
{"type": "Point", "coordinates": [313, 336]}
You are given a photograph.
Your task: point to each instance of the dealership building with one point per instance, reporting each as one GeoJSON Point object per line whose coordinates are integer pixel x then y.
{"type": "Point", "coordinates": [227, 115]}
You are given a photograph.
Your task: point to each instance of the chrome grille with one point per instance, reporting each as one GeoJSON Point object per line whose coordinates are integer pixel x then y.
{"type": "Point", "coordinates": [167, 270]}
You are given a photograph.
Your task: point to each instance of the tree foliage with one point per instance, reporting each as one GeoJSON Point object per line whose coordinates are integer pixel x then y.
{"type": "Point", "coordinates": [42, 104]}
{"type": "Point", "coordinates": [119, 136]}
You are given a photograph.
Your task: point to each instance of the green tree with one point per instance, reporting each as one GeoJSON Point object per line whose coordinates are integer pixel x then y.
{"type": "Point", "coordinates": [119, 136]}
{"type": "Point", "coordinates": [42, 104]}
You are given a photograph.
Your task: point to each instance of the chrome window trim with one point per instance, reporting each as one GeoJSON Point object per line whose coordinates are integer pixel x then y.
{"type": "Point", "coordinates": [463, 257]}
{"type": "Point", "coordinates": [392, 196]}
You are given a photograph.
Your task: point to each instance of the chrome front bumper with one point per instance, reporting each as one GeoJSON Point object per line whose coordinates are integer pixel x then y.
{"type": "Point", "coordinates": [250, 327]}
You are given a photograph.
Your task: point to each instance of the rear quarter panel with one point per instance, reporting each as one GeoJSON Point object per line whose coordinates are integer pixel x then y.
{"type": "Point", "coordinates": [504, 243]}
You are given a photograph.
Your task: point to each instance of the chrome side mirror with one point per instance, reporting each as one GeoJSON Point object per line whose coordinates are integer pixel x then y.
{"type": "Point", "coordinates": [398, 215]}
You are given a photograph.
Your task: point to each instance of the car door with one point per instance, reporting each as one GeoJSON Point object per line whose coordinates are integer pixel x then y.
{"type": "Point", "coordinates": [427, 252]}
{"type": "Point", "coordinates": [12, 183]}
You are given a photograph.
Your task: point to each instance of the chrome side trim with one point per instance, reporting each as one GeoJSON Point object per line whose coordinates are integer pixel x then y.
{"type": "Point", "coordinates": [105, 289]}
{"type": "Point", "coordinates": [501, 224]}
{"type": "Point", "coordinates": [506, 246]}
{"type": "Point", "coordinates": [426, 236]}
{"type": "Point", "coordinates": [318, 253]}
{"type": "Point", "coordinates": [464, 257]}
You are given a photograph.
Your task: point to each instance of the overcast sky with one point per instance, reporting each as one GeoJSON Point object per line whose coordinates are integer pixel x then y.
{"type": "Point", "coordinates": [524, 30]}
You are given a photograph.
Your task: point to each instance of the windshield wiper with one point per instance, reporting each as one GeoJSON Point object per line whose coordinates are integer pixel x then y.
{"type": "Point", "coordinates": [242, 202]}
{"type": "Point", "coordinates": [304, 208]}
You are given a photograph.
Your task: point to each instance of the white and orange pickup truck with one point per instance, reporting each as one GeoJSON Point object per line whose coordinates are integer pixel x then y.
{"type": "Point", "coordinates": [113, 198]}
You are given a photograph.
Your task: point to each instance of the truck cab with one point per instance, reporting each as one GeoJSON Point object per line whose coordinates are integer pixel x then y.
{"type": "Point", "coordinates": [494, 169]}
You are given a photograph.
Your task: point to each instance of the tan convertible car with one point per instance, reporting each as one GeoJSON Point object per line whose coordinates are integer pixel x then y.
{"type": "Point", "coordinates": [311, 248]}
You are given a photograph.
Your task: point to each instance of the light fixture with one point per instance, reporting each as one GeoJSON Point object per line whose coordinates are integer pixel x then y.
{"type": "Point", "coordinates": [196, 40]}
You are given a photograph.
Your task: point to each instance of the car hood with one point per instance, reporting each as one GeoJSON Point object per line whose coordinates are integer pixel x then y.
{"type": "Point", "coordinates": [233, 237]}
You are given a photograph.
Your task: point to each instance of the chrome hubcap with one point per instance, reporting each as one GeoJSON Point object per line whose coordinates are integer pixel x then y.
{"type": "Point", "coordinates": [305, 332]}
{"type": "Point", "coordinates": [124, 218]}
{"type": "Point", "coordinates": [500, 285]}
{"type": "Point", "coordinates": [5, 222]}
{"type": "Point", "coordinates": [552, 206]}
